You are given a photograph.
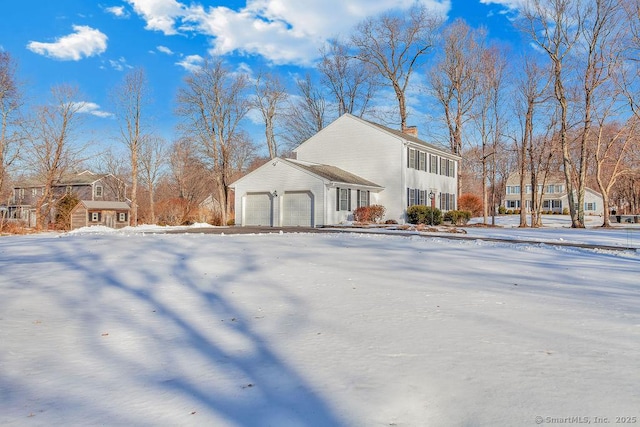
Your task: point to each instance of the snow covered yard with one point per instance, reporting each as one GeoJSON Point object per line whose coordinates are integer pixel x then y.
{"type": "Point", "coordinates": [124, 328]}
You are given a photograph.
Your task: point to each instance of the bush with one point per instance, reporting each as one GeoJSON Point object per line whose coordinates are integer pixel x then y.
{"type": "Point", "coordinates": [391, 221]}
{"type": "Point", "coordinates": [373, 213]}
{"type": "Point", "coordinates": [458, 217]}
{"type": "Point", "coordinates": [63, 210]}
{"type": "Point", "coordinates": [421, 214]}
{"type": "Point", "coordinates": [502, 210]}
{"type": "Point", "coordinates": [565, 211]}
{"type": "Point", "coordinates": [472, 203]}
{"type": "Point", "coordinates": [509, 212]}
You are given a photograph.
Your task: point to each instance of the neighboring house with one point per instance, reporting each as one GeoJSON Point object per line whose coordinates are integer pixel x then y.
{"type": "Point", "coordinates": [86, 185]}
{"type": "Point", "coordinates": [348, 164]}
{"type": "Point", "coordinates": [554, 197]}
{"type": "Point", "coordinates": [109, 214]}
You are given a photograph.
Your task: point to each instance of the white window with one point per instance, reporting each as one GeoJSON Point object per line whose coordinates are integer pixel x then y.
{"type": "Point", "coordinates": [411, 196]}
{"type": "Point", "coordinates": [528, 189]}
{"type": "Point", "coordinates": [590, 206]}
{"type": "Point", "coordinates": [95, 216]}
{"type": "Point", "coordinates": [434, 164]}
{"type": "Point", "coordinates": [34, 192]}
{"type": "Point", "coordinates": [556, 204]}
{"type": "Point", "coordinates": [122, 216]}
{"type": "Point", "coordinates": [343, 202]}
{"type": "Point", "coordinates": [363, 198]}
{"type": "Point", "coordinates": [513, 189]}
{"type": "Point", "coordinates": [98, 191]}
{"type": "Point", "coordinates": [412, 158]}
{"type": "Point", "coordinates": [423, 161]}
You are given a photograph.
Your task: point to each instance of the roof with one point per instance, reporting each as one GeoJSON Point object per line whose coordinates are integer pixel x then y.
{"type": "Point", "coordinates": [82, 178]}
{"type": "Point", "coordinates": [412, 138]}
{"type": "Point", "coordinates": [332, 173]}
{"type": "Point", "coordinates": [99, 204]}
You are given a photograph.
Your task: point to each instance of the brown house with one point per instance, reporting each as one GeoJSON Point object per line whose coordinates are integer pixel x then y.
{"type": "Point", "coordinates": [108, 214]}
{"type": "Point", "coordinates": [88, 186]}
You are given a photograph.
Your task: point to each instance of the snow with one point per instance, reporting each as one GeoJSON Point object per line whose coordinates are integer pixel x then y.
{"type": "Point", "coordinates": [135, 327]}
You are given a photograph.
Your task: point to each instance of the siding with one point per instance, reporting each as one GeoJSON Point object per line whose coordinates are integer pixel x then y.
{"type": "Point", "coordinates": [279, 176]}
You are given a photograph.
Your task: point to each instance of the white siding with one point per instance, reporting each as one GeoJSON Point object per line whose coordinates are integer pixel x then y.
{"type": "Point", "coordinates": [280, 177]}
{"type": "Point", "coordinates": [364, 150]}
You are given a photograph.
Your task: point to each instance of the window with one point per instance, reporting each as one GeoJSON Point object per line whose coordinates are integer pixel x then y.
{"type": "Point", "coordinates": [363, 198]}
{"type": "Point", "coordinates": [513, 204]}
{"type": "Point", "coordinates": [411, 196]}
{"type": "Point", "coordinates": [94, 216]}
{"type": "Point", "coordinates": [122, 216]}
{"type": "Point", "coordinates": [343, 199]}
{"type": "Point", "coordinates": [545, 204]}
{"type": "Point", "coordinates": [412, 158]}
{"type": "Point", "coordinates": [69, 189]}
{"type": "Point", "coordinates": [559, 188]}
{"type": "Point", "coordinates": [34, 192]}
{"type": "Point", "coordinates": [556, 204]}
{"type": "Point", "coordinates": [528, 189]}
{"type": "Point", "coordinates": [590, 206]}
{"type": "Point", "coordinates": [513, 189]}
{"type": "Point", "coordinates": [434, 164]}
{"type": "Point", "coordinates": [423, 161]}
{"type": "Point", "coordinates": [98, 191]}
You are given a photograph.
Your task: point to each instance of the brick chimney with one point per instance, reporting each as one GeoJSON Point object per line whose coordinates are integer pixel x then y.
{"type": "Point", "coordinates": [411, 131]}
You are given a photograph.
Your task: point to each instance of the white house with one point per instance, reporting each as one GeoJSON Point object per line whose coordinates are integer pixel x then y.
{"type": "Point", "coordinates": [554, 196]}
{"type": "Point", "coordinates": [350, 163]}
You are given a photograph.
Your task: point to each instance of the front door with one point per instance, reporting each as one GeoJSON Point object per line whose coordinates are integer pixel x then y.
{"type": "Point", "coordinates": [110, 219]}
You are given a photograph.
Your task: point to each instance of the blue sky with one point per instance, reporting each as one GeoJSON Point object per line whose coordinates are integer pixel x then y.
{"type": "Point", "coordinates": [93, 44]}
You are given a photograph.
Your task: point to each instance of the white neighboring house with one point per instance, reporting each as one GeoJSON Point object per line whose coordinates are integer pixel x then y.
{"type": "Point", "coordinates": [350, 163]}
{"type": "Point", "coordinates": [554, 198]}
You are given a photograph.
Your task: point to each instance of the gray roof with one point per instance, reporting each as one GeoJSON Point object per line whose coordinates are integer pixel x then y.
{"type": "Point", "coordinates": [413, 139]}
{"type": "Point", "coordinates": [333, 173]}
{"type": "Point", "coordinates": [82, 178]}
{"type": "Point", "coordinates": [100, 204]}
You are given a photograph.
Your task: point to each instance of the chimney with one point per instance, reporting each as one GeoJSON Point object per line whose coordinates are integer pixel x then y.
{"type": "Point", "coordinates": [411, 131]}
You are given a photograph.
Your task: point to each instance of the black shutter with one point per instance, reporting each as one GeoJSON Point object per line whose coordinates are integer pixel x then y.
{"type": "Point", "coordinates": [349, 200]}
{"type": "Point", "coordinates": [337, 198]}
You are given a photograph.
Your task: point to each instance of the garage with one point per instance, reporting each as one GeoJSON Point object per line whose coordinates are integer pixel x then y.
{"type": "Point", "coordinates": [258, 209]}
{"type": "Point", "coordinates": [297, 209]}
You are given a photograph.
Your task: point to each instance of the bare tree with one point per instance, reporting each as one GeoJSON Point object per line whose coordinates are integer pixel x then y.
{"type": "Point", "coordinates": [270, 95]}
{"type": "Point", "coordinates": [51, 148]}
{"type": "Point", "coordinates": [306, 114]}
{"type": "Point", "coordinates": [351, 82]}
{"type": "Point", "coordinates": [115, 163]}
{"type": "Point", "coordinates": [580, 38]}
{"type": "Point", "coordinates": [10, 103]}
{"type": "Point", "coordinates": [131, 98]}
{"type": "Point", "coordinates": [152, 156]}
{"type": "Point", "coordinates": [395, 45]}
{"type": "Point", "coordinates": [455, 77]}
{"type": "Point", "coordinates": [213, 102]}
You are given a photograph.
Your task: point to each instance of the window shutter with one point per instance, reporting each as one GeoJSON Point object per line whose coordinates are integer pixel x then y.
{"type": "Point", "coordinates": [368, 198]}
{"type": "Point", "coordinates": [337, 198]}
{"type": "Point", "coordinates": [358, 204]}
{"type": "Point", "coordinates": [349, 199]}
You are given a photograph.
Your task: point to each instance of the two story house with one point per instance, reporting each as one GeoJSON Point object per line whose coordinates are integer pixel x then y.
{"type": "Point", "coordinates": [554, 196]}
{"type": "Point", "coordinates": [350, 163]}
{"type": "Point", "coordinates": [101, 195]}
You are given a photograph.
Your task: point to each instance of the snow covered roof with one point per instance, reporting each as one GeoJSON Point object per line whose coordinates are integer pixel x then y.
{"type": "Point", "coordinates": [333, 173]}
{"type": "Point", "coordinates": [100, 204]}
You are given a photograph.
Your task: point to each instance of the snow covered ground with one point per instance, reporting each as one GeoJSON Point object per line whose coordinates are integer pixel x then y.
{"type": "Point", "coordinates": [99, 327]}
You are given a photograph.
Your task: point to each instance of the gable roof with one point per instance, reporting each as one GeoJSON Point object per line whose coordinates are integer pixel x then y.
{"type": "Point", "coordinates": [82, 178]}
{"type": "Point", "coordinates": [332, 173]}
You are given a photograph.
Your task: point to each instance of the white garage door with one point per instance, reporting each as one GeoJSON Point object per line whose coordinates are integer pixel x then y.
{"type": "Point", "coordinates": [297, 209]}
{"type": "Point", "coordinates": [257, 209]}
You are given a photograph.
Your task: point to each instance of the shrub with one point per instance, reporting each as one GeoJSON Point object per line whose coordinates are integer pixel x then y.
{"type": "Point", "coordinates": [565, 211]}
{"type": "Point", "coordinates": [391, 221]}
{"type": "Point", "coordinates": [509, 212]}
{"type": "Point", "coordinates": [231, 222]}
{"type": "Point", "coordinates": [502, 210]}
{"type": "Point", "coordinates": [457, 217]}
{"type": "Point", "coordinates": [63, 210]}
{"type": "Point", "coordinates": [472, 203]}
{"type": "Point", "coordinates": [373, 213]}
{"type": "Point", "coordinates": [421, 214]}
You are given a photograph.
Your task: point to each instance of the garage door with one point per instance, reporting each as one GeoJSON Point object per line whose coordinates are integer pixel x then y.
{"type": "Point", "coordinates": [257, 209]}
{"type": "Point", "coordinates": [297, 209]}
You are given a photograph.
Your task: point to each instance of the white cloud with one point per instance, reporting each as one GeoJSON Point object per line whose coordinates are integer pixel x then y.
{"type": "Point", "coordinates": [119, 64]}
{"type": "Point", "coordinates": [191, 62]}
{"type": "Point", "coordinates": [282, 31]}
{"type": "Point", "coordinates": [91, 108]}
{"type": "Point", "coordinates": [164, 49]}
{"type": "Point", "coordinates": [117, 11]}
{"type": "Point", "coordinates": [160, 15]}
{"type": "Point", "coordinates": [509, 4]}
{"type": "Point", "coordinates": [84, 42]}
